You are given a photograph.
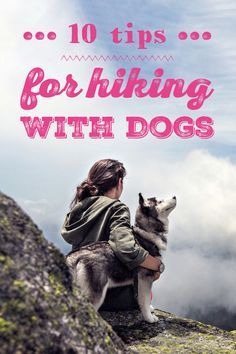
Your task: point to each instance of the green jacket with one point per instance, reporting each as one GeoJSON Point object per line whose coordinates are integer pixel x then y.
{"type": "Point", "coordinates": [103, 219]}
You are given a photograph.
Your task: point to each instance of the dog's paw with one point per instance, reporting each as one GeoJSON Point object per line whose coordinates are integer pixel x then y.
{"type": "Point", "coordinates": [151, 319]}
{"type": "Point", "coordinates": [154, 318]}
{"type": "Point", "coordinates": [152, 308]}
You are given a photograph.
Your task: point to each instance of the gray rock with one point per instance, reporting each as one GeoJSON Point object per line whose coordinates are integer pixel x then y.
{"type": "Point", "coordinates": [39, 310]}
{"type": "Point", "coordinates": [170, 335]}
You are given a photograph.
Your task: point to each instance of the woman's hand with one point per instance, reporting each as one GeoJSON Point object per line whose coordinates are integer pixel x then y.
{"type": "Point", "coordinates": [156, 275]}
{"type": "Point", "coordinates": [151, 263]}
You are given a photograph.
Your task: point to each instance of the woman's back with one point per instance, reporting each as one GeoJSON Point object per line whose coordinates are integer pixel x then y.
{"type": "Point", "coordinates": [89, 221]}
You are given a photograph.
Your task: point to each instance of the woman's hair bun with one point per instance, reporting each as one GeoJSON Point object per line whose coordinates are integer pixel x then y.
{"type": "Point", "coordinates": [86, 189]}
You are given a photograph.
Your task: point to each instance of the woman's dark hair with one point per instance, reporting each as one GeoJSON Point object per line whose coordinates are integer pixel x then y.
{"type": "Point", "coordinates": [103, 176]}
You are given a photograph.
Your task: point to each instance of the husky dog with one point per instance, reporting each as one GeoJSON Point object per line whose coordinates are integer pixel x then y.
{"type": "Point", "coordinates": [95, 267]}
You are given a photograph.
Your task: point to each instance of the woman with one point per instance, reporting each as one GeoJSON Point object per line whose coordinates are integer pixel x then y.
{"type": "Point", "coordinates": [97, 214]}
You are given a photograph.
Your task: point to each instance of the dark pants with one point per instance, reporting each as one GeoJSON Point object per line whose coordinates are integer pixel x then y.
{"type": "Point", "coordinates": [120, 299]}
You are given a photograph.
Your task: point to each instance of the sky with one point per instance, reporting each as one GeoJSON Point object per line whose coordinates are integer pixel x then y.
{"type": "Point", "coordinates": [42, 174]}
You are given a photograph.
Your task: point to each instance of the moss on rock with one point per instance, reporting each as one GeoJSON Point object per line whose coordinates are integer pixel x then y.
{"type": "Point", "coordinates": [40, 312]}
{"type": "Point", "coordinates": [6, 327]}
{"type": "Point", "coordinates": [170, 334]}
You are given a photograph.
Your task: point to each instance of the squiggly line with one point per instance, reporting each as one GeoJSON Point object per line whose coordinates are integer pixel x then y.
{"type": "Point", "coordinates": [117, 58]}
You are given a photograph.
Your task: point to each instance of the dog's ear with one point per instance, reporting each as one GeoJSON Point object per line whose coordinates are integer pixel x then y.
{"type": "Point", "coordinates": [141, 200]}
{"type": "Point", "coordinates": [143, 205]}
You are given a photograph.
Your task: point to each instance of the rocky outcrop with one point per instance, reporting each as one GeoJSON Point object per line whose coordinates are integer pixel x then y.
{"type": "Point", "coordinates": [170, 334]}
{"type": "Point", "coordinates": [41, 313]}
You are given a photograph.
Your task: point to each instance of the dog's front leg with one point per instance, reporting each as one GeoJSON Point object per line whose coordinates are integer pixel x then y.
{"type": "Point", "coordinates": [144, 288]}
{"type": "Point", "coordinates": [152, 308]}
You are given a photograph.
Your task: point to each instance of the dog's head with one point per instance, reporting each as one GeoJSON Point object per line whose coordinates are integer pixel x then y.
{"type": "Point", "coordinates": [152, 214]}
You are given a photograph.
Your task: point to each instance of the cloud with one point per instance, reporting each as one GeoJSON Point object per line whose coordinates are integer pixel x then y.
{"type": "Point", "coordinates": [36, 208]}
{"type": "Point", "coordinates": [49, 217]}
{"type": "Point", "coordinates": [200, 259]}
{"type": "Point", "coordinates": [194, 282]}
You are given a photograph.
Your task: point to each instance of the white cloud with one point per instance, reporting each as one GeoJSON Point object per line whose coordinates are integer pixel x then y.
{"type": "Point", "coordinates": [36, 208]}
{"type": "Point", "coordinates": [192, 281]}
{"type": "Point", "coordinates": [202, 242]}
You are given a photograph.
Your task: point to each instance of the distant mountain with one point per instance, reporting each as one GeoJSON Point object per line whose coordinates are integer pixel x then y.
{"type": "Point", "coordinates": [219, 317]}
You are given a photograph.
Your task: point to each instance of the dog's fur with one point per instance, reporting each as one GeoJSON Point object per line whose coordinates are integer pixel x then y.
{"type": "Point", "coordinates": [95, 267]}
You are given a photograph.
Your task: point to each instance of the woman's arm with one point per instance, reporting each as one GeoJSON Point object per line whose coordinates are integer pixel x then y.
{"type": "Point", "coordinates": [123, 243]}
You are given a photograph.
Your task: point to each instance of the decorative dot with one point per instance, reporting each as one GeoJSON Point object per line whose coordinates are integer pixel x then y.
{"type": "Point", "coordinates": [182, 36]}
{"type": "Point", "coordinates": [27, 35]}
{"type": "Point", "coordinates": [206, 36]}
{"type": "Point", "coordinates": [39, 35]}
{"type": "Point", "coordinates": [159, 72]}
{"type": "Point", "coordinates": [194, 36]}
{"type": "Point", "coordinates": [51, 35]}
{"type": "Point", "coordinates": [121, 72]}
